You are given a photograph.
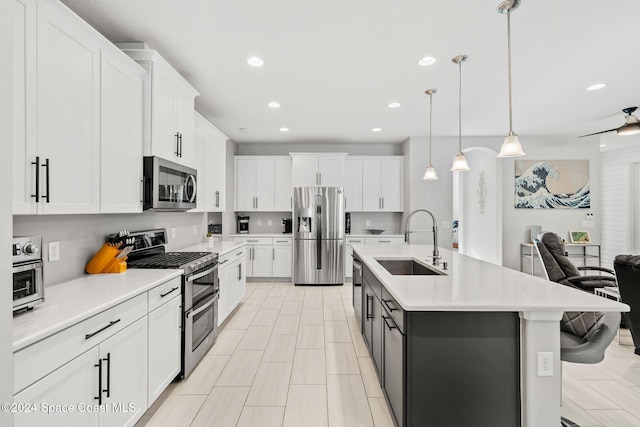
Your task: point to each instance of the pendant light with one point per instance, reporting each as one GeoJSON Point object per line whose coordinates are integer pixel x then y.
{"type": "Point", "coordinates": [460, 161]}
{"type": "Point", "coordinates": [430, 174]}
{"type": "Point", "coordinates": [511, 146]}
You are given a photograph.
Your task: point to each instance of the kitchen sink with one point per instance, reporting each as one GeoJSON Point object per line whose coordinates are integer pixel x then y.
{"type": "Point", "coordinates": [408, 267]}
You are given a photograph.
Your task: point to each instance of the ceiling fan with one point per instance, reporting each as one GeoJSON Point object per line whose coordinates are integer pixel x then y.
{"type": "Point", "coordinates": [632, 125]}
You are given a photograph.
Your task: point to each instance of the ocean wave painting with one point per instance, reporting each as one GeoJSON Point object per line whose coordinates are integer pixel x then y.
{"type": "Point", "coordinates": [552, 184]}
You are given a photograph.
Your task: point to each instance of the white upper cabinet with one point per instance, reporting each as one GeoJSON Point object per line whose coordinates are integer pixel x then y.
{"type": "Point", "coordinates": [77, 116]}
{"type": "Point", "coordinates": [169, 108]}
{"type": "Point", "coordinates": [326, 170]}
{"type": "Point", "coordinates": [353, 185]}
{"type": "Point", "coordinates": [57, 105]}
{"type": "Point", "coordinates": [382, 184]}
{"type": "Point", "coordinates": [261, 182]}
{"type": "Point", "coordinates": [211, 143]}
{"type": "Point", "coordinates": [283, 186]}
{"type": "Point", "coordinates": [121, 89]}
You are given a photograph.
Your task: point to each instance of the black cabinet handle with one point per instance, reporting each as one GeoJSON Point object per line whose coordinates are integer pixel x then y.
{"type": "Point", "coordinates": [177, 144]}
{"type": "Point", "coordinates": [168, 292]}
{"type": "Point", "coordinates": [99, 397]}
{"type": "Point", "coordinates": [180, 145]}
{"type": "Point", "coordinates": [387, 323]}
{"type": "Point", "coordinates": [368, 313]}
{"type": "Point", "coordinates": [217, 199]}
{"type": "Point", "coordinates": [222, 262]}
{"type": "Point", "coordinates": [46, 165]}
{"type": "Point", "coordinates": [386, 304]}
{"type": "Point", "coordinates": [108, 389]}
{"type": "Point", "coordinates": [113, 322]}
{"type": "Point", "coordinates": [37, 163]}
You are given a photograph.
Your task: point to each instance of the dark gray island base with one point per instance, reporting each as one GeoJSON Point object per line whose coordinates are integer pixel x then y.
{"type": "Point", "coordinates": [443, 368]}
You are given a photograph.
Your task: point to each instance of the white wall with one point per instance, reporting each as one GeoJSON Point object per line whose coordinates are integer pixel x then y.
{"type": "Point", "coordinates": [480, 221]}
{"type": "Point", "coordinates": [437, 195]}
{"type": "Point", "coordinates": [616, 217]}
{"type": "Point", "coordinates": [6, 118]}
{"type": "Point", "coordinates": [81, 236]}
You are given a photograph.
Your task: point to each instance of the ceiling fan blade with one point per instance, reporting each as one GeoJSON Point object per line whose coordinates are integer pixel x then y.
{"type": "Point", "coordinates": [598, 133]}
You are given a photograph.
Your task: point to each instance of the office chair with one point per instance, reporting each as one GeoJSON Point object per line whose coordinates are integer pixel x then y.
{"type": "Point", "coordinates": [628, 271]}
{"type": "Point", "coordinates": [558, 267]}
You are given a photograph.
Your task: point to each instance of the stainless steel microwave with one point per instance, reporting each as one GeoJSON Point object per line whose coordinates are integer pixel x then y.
{"type": "Point", "coordinates": [168, 186]}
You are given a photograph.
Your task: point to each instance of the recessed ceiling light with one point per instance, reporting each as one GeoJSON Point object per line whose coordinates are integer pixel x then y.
{"type": "Point", "coordinates": [273, 104]}
{"type": "Point", "coordinates": [597, 86]}
{"type": "Point", "coordinates": [254, 61]}
{"type": "Point", "coordinates": [603, 145]}
{"type": "Point", "coordinates": [284, 129]}
{"type": "Point", "coordinates": [376, 130]}
{"type": "Point", "coordinates": [245, 130]}
{"type": "Point", "coordinates": [426, 61]}
{"type": "Point", "coordinates": [393, 105]}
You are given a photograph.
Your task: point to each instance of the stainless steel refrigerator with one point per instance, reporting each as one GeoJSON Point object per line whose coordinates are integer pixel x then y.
{"type": "Point", "coordinates": [318, 236]}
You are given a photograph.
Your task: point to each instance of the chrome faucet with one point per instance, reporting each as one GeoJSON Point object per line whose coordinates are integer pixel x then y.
{"type": "Point", "coordinates": [407, 232]}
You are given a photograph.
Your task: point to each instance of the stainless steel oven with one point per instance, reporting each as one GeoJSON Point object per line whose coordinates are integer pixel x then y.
{"type": "Point", "coordinates": [200, 321]}
{"type": "Point", "coordinates": [28, 284]}
{"type": "Point", "coordinates": [168, 186]}
{"type": "Point", "coordinates": [200, 291]}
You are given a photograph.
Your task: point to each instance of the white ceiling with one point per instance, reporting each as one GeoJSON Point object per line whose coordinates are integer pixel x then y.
{"type": "Point", "coordinates": [334, 65]}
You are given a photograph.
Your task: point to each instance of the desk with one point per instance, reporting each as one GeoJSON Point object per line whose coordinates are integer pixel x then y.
{"type": "Point", "coordinates": [587, 251]}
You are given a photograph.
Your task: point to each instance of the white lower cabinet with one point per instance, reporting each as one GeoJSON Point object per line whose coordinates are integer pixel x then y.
{"type": "Point", "coordinates": [106, 370]}
{"type": "Point", "coordinates": [232, 281]}
{"type": "Point", "coordinates": [75, 382]}
{"type": "Point", "coordinates": [224, 288]}
{"type": "Point", "coordinates": [268, 256]}
{"type": "Point", "coordinates": [260, 261]}
{"type": "Point", "coordinates": [105, 386]}
{"type": "Point", "coordinates": [282, 256]}
{"type": "Point", "coordinates": [164, 346]}
{"type": "Point", "coordinates": [124, 368]}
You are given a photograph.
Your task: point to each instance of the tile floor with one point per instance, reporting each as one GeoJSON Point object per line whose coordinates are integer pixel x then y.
{"type": "Point", "coordinates": [293, 356]}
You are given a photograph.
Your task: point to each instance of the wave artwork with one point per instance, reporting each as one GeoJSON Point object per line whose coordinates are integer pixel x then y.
{"type": "Point", "coordinates": [552, 184]}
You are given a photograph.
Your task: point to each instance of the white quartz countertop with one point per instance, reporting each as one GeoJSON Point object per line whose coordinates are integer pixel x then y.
{"type": "Point", "coordinates": [76, 300]}
{"type": "Point", "coordinates": [250, 235]}
{"type": "Point", "coordinates": [474, 285]}
{"type": "Point", "coordinates": [220, 248]}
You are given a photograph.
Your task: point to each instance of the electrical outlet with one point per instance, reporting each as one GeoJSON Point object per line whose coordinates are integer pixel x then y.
{"type": "Point", "coordinates": [589, 216]}
{"type": "Point", "coordinates": [173, 232]}
{"type": "Point", "coordinates": [195, 230]}
{"type": "Point", "coordinates": [368, 223]}
{"type": "Point", "coordinates": [259, 222]}
{"type": "Point", "coordinates": [269, 223]}
{"type": "Point", "coordinates": [545, 364]}
{"type": "Point", "coordinates": [54, 251]}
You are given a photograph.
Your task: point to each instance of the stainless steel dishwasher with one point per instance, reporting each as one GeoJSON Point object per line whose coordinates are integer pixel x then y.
{"type": "Point", "coordinates": [357, 289]}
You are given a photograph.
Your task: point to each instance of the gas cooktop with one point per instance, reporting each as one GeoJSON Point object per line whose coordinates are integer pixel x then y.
{"type": "Point", "coordinates": [169, 260]}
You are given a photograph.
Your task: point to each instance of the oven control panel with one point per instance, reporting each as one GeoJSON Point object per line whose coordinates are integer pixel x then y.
{"type": "Point", "coordinates": [26, 249]}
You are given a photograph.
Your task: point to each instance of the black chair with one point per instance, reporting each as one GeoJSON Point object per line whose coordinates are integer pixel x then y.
{"type": "Point", "coordinates": [627, 269]}
{"type": "Point", "coordinates": [558, 267]}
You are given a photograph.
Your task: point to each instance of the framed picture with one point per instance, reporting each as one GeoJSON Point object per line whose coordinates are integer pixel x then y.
{"type": "Point", "coordinates": [579, 237]}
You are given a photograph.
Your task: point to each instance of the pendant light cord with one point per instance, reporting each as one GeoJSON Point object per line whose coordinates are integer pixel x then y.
{"type": "Point", "coordinates": [509, 66]}
{"type": "Point", "coordinates": [460, 110]}
{"type": "Point", "coordinates": [430, 123]}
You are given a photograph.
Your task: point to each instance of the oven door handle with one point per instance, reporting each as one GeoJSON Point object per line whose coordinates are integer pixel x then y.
{"type": "Point", "coordinates": [204, 273]}
{"type": "Point", "coordinates": [203, 308]}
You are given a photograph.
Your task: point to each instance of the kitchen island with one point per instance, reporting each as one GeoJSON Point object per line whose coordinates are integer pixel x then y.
{"type": "Point", "coordinates": [465, 341]}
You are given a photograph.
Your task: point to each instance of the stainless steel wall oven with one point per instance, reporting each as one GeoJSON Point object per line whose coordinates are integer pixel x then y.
{"type": "Point", "coordinates": [28, 283]}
